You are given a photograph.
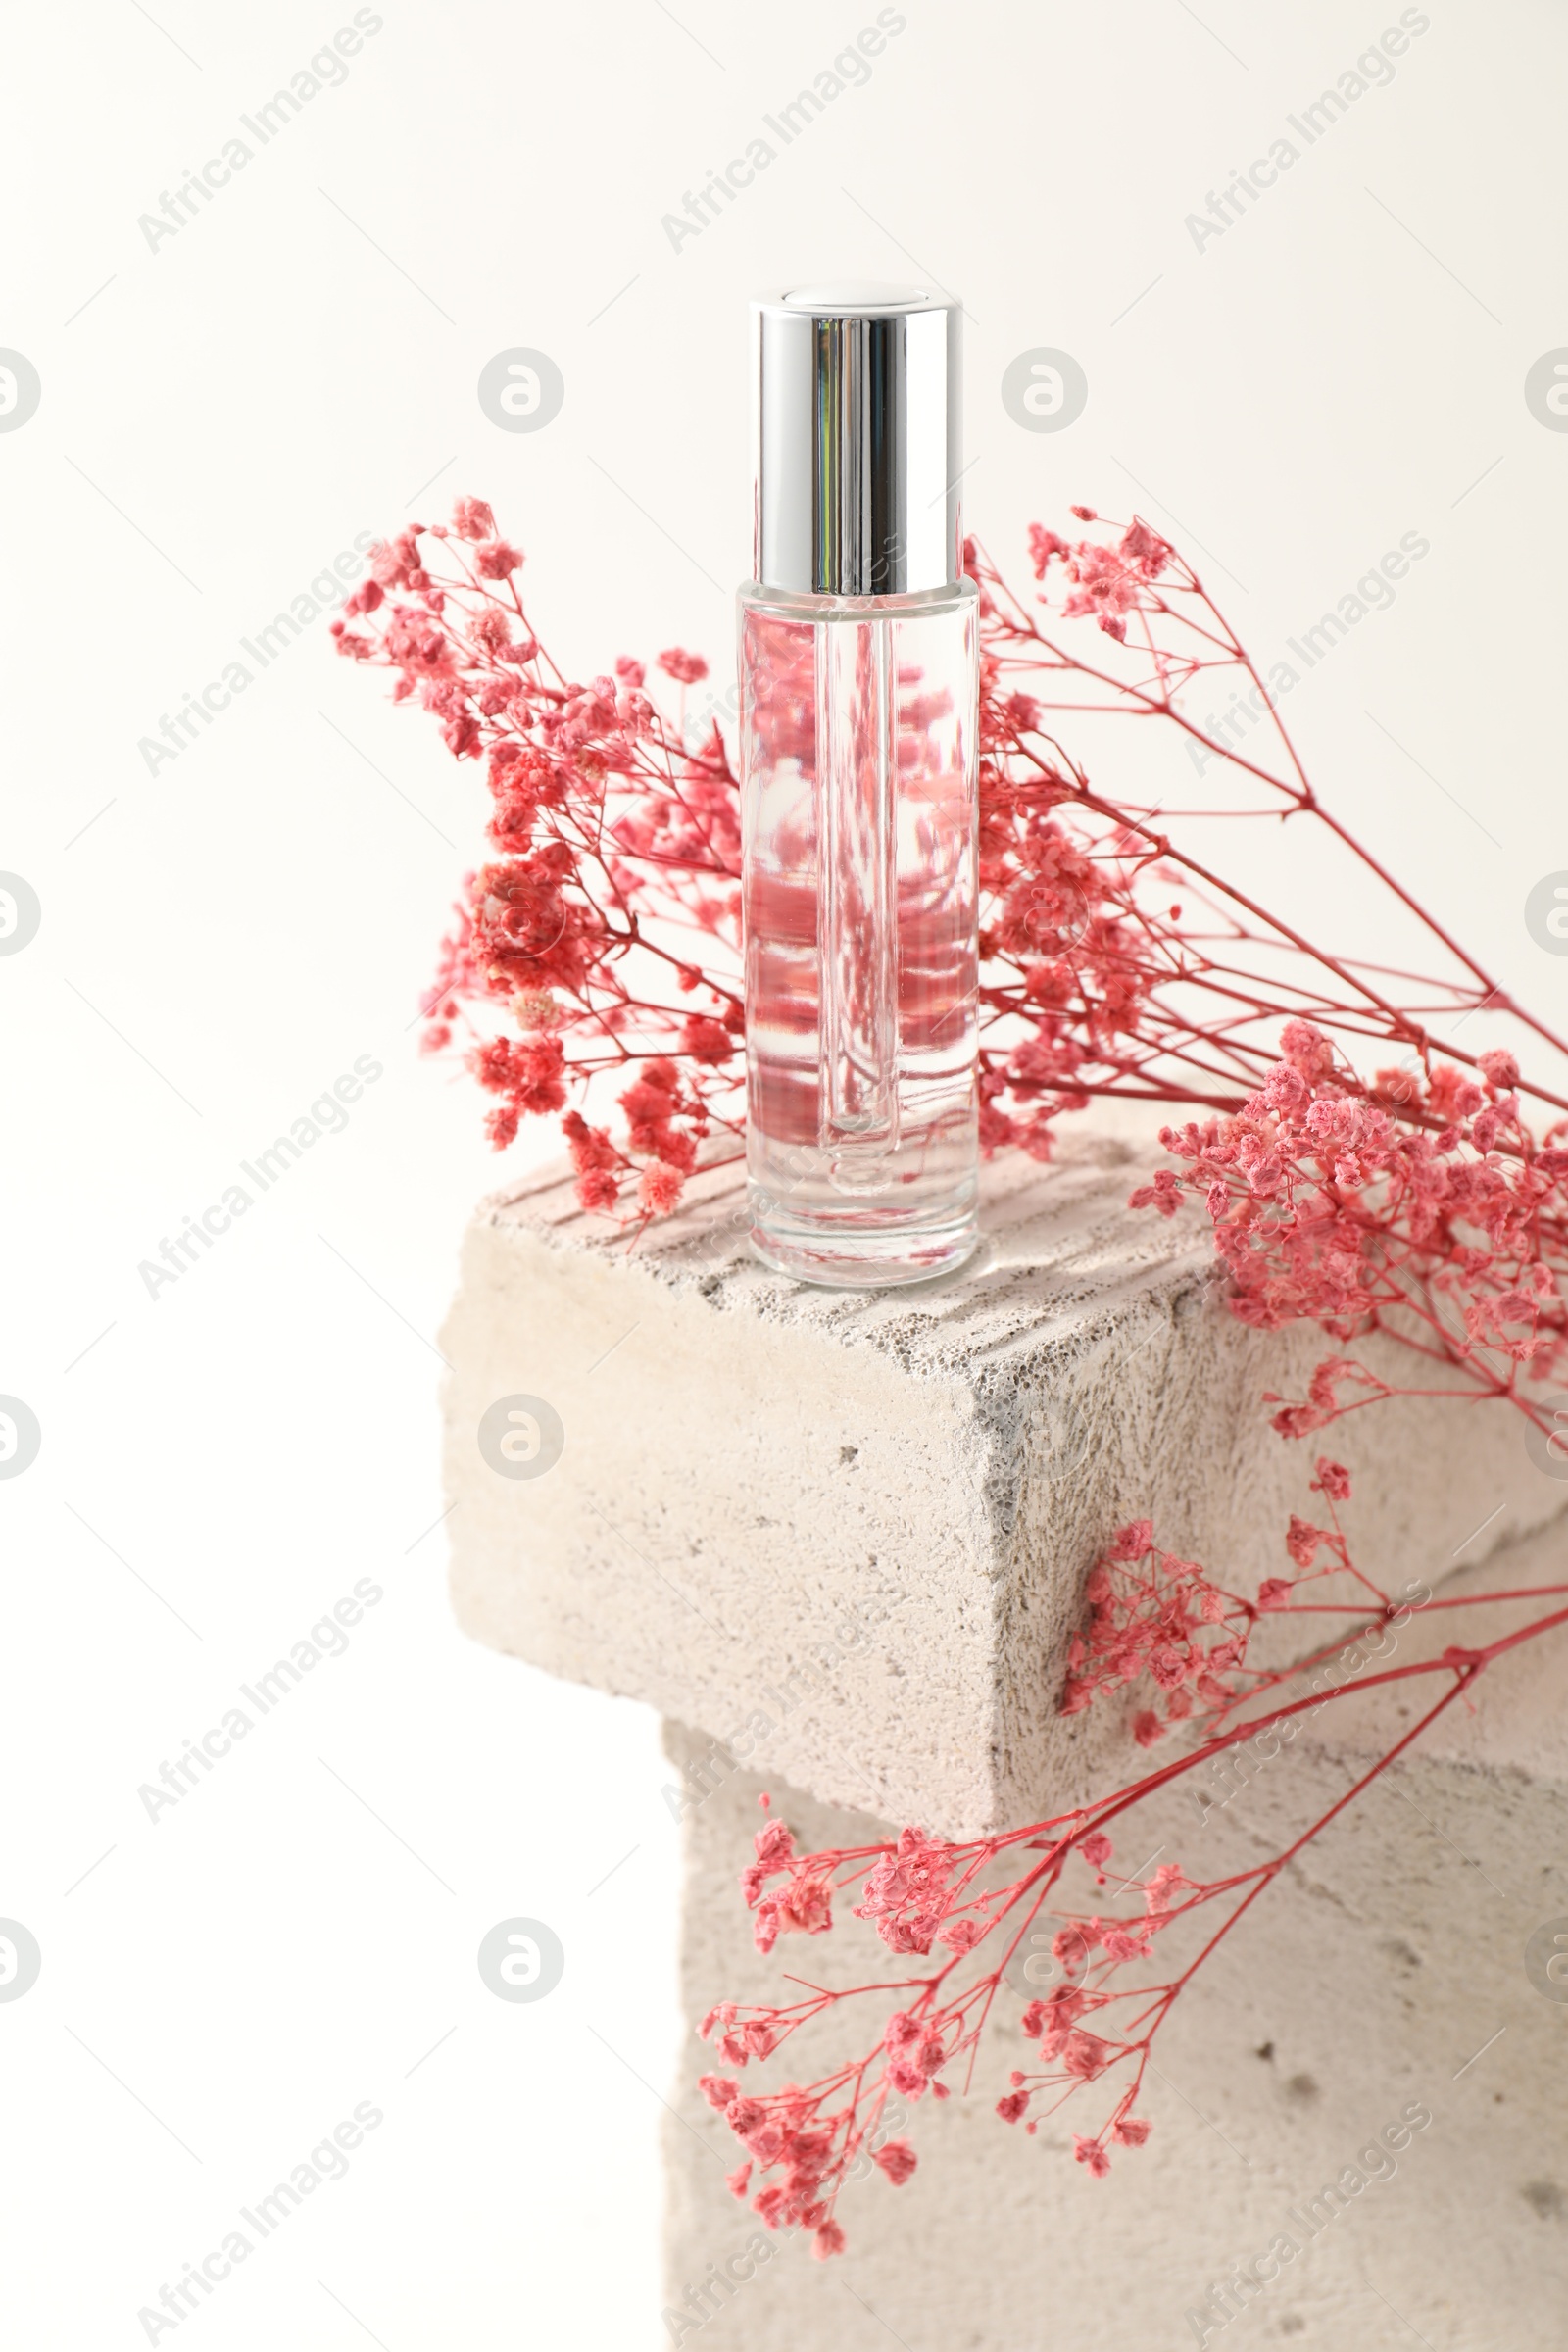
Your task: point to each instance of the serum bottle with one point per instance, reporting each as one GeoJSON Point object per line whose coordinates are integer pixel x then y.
{"type": "Point", "coordinates": [859, 681]}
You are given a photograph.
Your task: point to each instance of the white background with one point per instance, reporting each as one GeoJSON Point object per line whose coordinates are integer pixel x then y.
{"type": "Point", "coordinates": [219, 416]}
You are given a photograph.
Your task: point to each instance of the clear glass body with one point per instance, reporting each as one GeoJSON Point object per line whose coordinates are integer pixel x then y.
{"type": "Point", "coordinates": [859, 814]}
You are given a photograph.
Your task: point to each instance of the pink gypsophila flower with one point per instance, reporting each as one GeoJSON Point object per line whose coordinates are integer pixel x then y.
{"type": "Point", "coordinates": [685, 668]}
{"type": "Point", "coordinates": [897, 2159]}
{"type": "Point", "coordinates": [472, 519]}
{"type": "Point", "coordinates": [659, 1187]}
{"type": "Point", "coordinates": [497, 559]}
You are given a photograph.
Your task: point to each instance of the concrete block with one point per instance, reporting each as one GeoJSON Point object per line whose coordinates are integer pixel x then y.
{"type": "Point", "coordinates": [846, 1534]}
{"type": "Point", "coordinates": [1384, 1972]}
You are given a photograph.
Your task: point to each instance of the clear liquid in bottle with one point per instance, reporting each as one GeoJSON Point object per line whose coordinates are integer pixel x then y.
{"type": "Point", "coordinates": [858, 727]}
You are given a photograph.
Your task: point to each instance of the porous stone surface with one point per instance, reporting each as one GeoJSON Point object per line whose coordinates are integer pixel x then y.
{"type": "Point", "coordinates": [845, 1533]}
{"type": "Point", "coordinates": [1382, 1974]}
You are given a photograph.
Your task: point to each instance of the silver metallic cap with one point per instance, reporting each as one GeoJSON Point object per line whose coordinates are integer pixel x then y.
{"type": "Point", "coordinates": [858, 429]}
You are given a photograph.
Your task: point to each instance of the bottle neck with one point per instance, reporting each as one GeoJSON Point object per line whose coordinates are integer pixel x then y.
{"type": "Point", "coordinates": [953, 594]}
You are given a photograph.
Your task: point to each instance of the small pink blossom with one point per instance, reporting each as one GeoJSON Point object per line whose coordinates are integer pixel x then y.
{"type": "Point", "coordinates": [1334, 1478]}
{"type": "Point", "coordinates": [659, 1187]}
{"type": "Point", "coordinates": [497, 559]}
{"type": "Point", "coordinates": [472, 519]}
{"type": "Point", "coordinates": [686, 668]}
{"type": "Point", "coordinates": [897, 2159]}
{"type": "Point", "coordinates": [774, 1845]}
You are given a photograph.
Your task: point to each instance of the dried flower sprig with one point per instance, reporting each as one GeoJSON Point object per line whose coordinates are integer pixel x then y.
{"type": "Point", "coordinates": [969, 1907]}
{"type": "Point", "coordinates": [1416, 1198]}
{"type": "Point", "coordinates": [608, 920]}
{"type": "Point", "coordinates": [1424, 1198]}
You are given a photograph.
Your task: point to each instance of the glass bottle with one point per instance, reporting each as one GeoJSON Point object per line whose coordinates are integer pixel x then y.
{"type": "Point", "coordinates": [858, 686]}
